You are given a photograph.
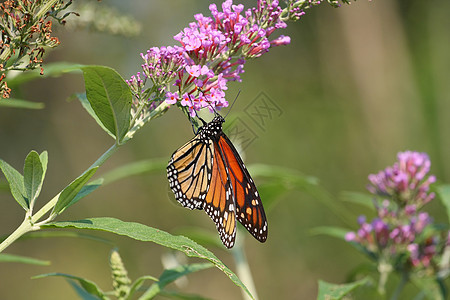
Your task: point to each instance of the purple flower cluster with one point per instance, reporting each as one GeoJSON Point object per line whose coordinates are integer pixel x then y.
{"type": "Point", "coordinates": [400, 229]}
{"type": "Point", "coordinates": [396, 238]}
{"type": "Point", "coordinates": [213, 52]}
{"type": "Point", "coordinates": [406, 182]}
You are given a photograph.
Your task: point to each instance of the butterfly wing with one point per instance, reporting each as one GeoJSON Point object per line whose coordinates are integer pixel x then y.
{"type": "Point", "coordinates": [189, 172]}
{"type": "Point", "coordinates": [219, 201]}
{"type": "Point", "coordinates": [249, 208]}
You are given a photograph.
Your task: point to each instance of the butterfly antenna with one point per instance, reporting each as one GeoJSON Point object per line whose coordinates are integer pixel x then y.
{"type": "Point", "coordinates": [193, 122]}
{"type": "Point", "coordinates": [234, 101]}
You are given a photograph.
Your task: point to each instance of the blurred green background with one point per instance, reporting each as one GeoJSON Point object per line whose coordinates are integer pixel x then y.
{"type": "Point", "coordinates": [357, 85]}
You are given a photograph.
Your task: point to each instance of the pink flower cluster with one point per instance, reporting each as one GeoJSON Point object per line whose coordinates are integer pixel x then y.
{"type": "Point", "coordinates": [406, 182]}
{"type": "Point", "coordinates": [213, 52]}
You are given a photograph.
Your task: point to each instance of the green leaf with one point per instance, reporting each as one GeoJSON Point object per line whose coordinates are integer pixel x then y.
{"type": "Point", "coordinates": [110, 98]}
{"type": "Point", "coordinates": [358, 198]}
{"type": "Point", "coordinates": [329, 291]}
{"type": "Point", "coordinates": [62, 234]}
{"type": "Point", "coordinates": [72, 190]}
{"type": "Point", "coordinates": [330, 231]}
{"type": "Point", "coordinates": [15, 180]}
{"type": "Point", "coordinates": [32, 176]}
{"type": "Point", "coordinates": [87, 106]}
{"type": "Point", "coordinates": [86, 190]}
{"type": "Point", "coordinates": [51, 70]}
{"type": "Point", "coordinates": [82, 293]}
{"type": "Point", "coordinates": [44, 162]}
{"type": "Point", "coordinates": [444, 195]}
{"type": "Point", "coordinates": [87, 285]}
{"type": "Point", "coordinates": [170, 275]}
{"type": "Point", "coordinates": [22, 259]}
{"type": "Point", "coordinates": [137, 285]}
{"type": "Point", "coordinates": [19, 103]}
{"type": "Point", "coordinates": [148, 234]}
{"type": "Point", "coordinates": [201, 236]}
{"type": "Point", "coordinates": [135, 168]}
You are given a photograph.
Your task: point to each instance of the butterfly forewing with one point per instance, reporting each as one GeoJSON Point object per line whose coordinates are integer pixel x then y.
{"type": "Point", "coordinates": [249, 208]}
{"type": "Point", "coordinates": [189, 172]}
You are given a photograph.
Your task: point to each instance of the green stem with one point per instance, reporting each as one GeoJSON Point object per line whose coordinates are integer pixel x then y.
{"type": "Point", "coordinates": [385, 270]}
{"type": "Point", "coordinates": [243, 269]}
{"type": "Point", "coordinates": [400, 286]}
{"type": "Point", "coordinates": [21, 230]}
{"type": "Point", "coordinates": [104, 157]}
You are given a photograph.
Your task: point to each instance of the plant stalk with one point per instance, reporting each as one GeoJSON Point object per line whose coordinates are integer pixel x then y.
{"type": "Point", "coordinates": [21, 230]}
{"type": "Point", "coordinates": [243, 269]}
{"type": "Point", "coordinates": [400, 286]}
{"type": "Point", "coordinates": [385, 270]}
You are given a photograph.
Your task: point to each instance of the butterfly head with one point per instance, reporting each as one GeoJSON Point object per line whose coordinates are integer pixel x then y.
{"type": "Point", "coordinates": [213, 128]}
{"type": "Point", "coordinates": [218, 119]}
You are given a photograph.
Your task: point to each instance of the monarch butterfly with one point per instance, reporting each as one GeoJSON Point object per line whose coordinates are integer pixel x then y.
{"type": "Point", "coordinates": [208, 173]}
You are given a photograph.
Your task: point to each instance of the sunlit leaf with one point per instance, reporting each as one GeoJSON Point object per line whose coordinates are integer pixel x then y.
{"type": "Point", "coordinates": [86, 190]}
{"type": "Point", "coordinates": [201, 236]}
{"type": "Point", "coordinates": [15, 180]}
{"type": "Point", "coordinates": [64, 234]}
{"type": "Point", "coordinates": [329, 291]}
{"type": "Point", "coordinates": [72, 190]}
{"type": "Point", "coordinates": [110, 98]}
{"type": "Point", "coordinates": [170, 275]}
{"type": "Point", "coordinates": [32, 176]}
{"type": "Point", "coordinates": [22, 259]}
{"type": "Point", "coordinates": [87, 106]}
{"type": "Point", "coordinates": [44, 161]}
{"type": "Point", "coordinates": [148, 234]}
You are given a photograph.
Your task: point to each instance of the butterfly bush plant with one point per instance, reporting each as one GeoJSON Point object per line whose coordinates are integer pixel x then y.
{"type": "Point", "coordinates": [192, 75]}
{"type": "Point", "coordinates": [26, 34]}
{"type": "Point", "coordinates": [402, 238]}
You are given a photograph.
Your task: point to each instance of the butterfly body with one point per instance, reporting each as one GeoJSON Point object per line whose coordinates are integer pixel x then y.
{"type": "Point", "coordinates": [208, 173]}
